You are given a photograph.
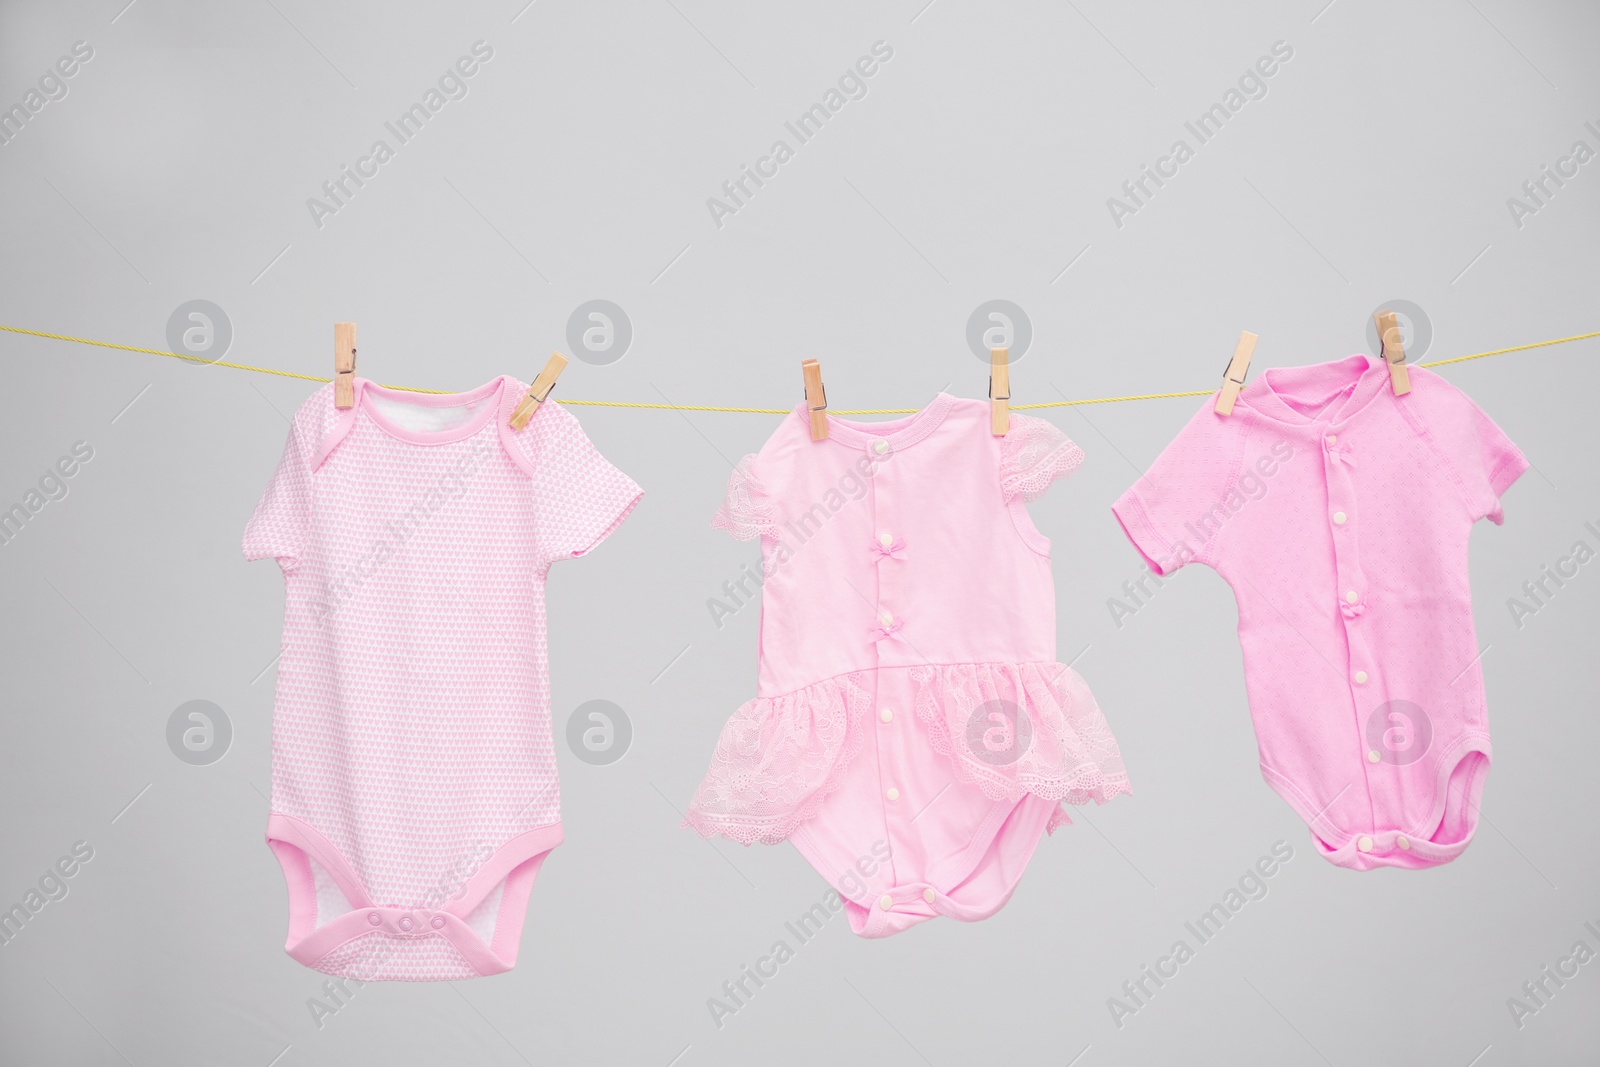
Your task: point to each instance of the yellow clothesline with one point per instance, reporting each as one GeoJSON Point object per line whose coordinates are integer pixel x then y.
{"type": "Point", "coordinates": [713, 407]}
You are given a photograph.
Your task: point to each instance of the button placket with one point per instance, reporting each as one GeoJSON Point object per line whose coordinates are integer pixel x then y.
{"type": "Point", "coordinates": [1353, 596]}
{"type": "Point", "coordinates": [891, 743]}
{"type": "Point", "coordinates": [885, 544]}
{"type": "Point", "coordinates": [1338, 461]}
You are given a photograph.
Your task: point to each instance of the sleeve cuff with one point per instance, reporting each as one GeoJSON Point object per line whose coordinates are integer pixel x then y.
{"type": "Point", "coordinates": [1507, 471]}
{"type": "Point", "coordinates": [1136, 525]}
{"type": "Point", "coordinates": [624, 505]}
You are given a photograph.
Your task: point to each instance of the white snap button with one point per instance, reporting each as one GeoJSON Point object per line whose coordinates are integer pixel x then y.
{"type": "Point", "coordinates": [405, 922]}
{"type": "Point", "coordinates": [885, 540]}
{"type": "Point", "coordinates": [1364, 843]}
{"type": "Point", "coordinates": [438, 922]}
{"type": "Point", "coordinates": [1351, 597]}
{"type": "Point", "coordinates": [886, 715]}
{"type": "Point", "coordinates": [1333, 438]}
{"type": "Point", "coordinates": [893, 793]}
{"type": "Point", "coordinates": [1361, 677]}
{"type": "Point", "coordinates": [1403, 841]}
{"type": "Point", "coordinates": [888, 619]}
{"type": "Point", "coordinates": [375, 919]}
{"type": "Point", "coordinates": [880, 447]}
{"type": "Point", "coordinates": [929, 895]}
{"type": "Point", "coordinates": [1374, 756]}
{"type": "Point", "coordinates": [886, 902]}
{"type": "Point", "coordinates": [1338, 518]}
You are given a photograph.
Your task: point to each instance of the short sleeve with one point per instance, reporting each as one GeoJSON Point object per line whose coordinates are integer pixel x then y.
{"type": "Point", "coordinates": [580, 497]}
{"type": "Point", "coordinates": [746, 512]}
{"type": "Point", "coordinates": [278, 527]}
{"type": "Point", "coordinates": [1033, 453]}
{"type": "Point", "coordinates": [1478, 451]}
{"type": "Point", "coordinates": [1168, 513]}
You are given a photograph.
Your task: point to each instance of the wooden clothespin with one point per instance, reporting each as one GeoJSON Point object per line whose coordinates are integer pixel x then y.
{"type": "Point", "coordinates": [538, 391]}
{"type": "Point", "coordinates": [1393, 351]}
{"type": "Point", "coordinates": [1233, 377]}
{"type": "Point", "coordinates": [344, 364]}
{"type": "Point", "coordinates": [999, 392]}
{"type": "Point", "coordinates": [816, 398]}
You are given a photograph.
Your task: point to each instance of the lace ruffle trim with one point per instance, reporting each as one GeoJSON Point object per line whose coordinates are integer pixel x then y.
{"type": "Point", "coordinates": [778, 758]}
{"type": "Point", "coordinates": [1034, 453]}
{"type": "Point", "coordinates": [1009, 729]}
{"type": "Point", "coordinates": [1017, 728]}
{"type": "Point", "coordinates": [746, 512]}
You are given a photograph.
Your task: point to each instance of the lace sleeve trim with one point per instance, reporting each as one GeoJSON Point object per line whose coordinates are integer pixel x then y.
{"type": "Point", "coordinates": [1035, 453]}
{"type": "Point", "coordinates": [746, 512]}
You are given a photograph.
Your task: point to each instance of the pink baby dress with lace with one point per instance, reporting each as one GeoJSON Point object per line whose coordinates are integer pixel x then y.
{"type": "Point", "coordinates": [414, 791]}
{"type": "Point", "coordinates": [913, 734]}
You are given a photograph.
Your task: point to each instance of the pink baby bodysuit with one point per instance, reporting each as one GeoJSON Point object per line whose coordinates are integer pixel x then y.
{"type": "Point", "coordinates": [414, 790]}
{"type": "Point", "coordinates": [913, 734]}
{"type": "Point", "coordinates": [1339, 512]}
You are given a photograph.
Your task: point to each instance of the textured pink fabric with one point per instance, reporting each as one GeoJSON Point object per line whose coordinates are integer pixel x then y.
{"type": "Point", "coordinates": [912, 733]}
{"type": "Point", "coordinates": [414, 789]}
{"type": "Point", "coordinates": [1339, 514]}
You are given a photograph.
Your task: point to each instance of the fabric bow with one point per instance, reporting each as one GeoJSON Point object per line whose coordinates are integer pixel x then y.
{"type": "Point", "coordinates": [1350, 610]}
{"type": "Point", "coordinates": [1342, 454]}
{"type": "Point", "coordinates": [894, 550]}
{"type": "Point", "coordinates": [881, 632]}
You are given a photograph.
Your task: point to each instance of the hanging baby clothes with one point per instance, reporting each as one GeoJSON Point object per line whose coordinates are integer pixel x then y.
{"type": "Point", "coordinates": [414, 790]}
{"type": "Point", "coordinates": [1339, 512]}
{"type": "Point", "coordinates": [913, 734]}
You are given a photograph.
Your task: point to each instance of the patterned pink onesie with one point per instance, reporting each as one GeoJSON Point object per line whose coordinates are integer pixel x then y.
{"type": "Point", "coordinates": [913, 735]}
{"type": "Point", "coordinates": [414, 790]}
{"type": "Point", "coordinates": [1339, 514]}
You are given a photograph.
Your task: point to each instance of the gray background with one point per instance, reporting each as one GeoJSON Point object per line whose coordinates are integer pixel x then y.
{"type": "Point", "coordinates": [978, 166]}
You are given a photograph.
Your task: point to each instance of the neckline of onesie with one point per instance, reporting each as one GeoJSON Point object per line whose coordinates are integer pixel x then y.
{"type": "Point", "coordinates": [1359, 376]}
{"type": "Point", "coordinates": [901, 433]}
{"type": "Point", "coordinates": [494, 387]}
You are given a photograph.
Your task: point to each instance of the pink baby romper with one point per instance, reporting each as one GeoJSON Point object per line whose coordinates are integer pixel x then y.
{"type": "Point", "coordinates": [414, 789]}
{"type": "Point", "coordinates": [913, 734]}
{"type": "Point", "coordinates": [1338, 513]}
